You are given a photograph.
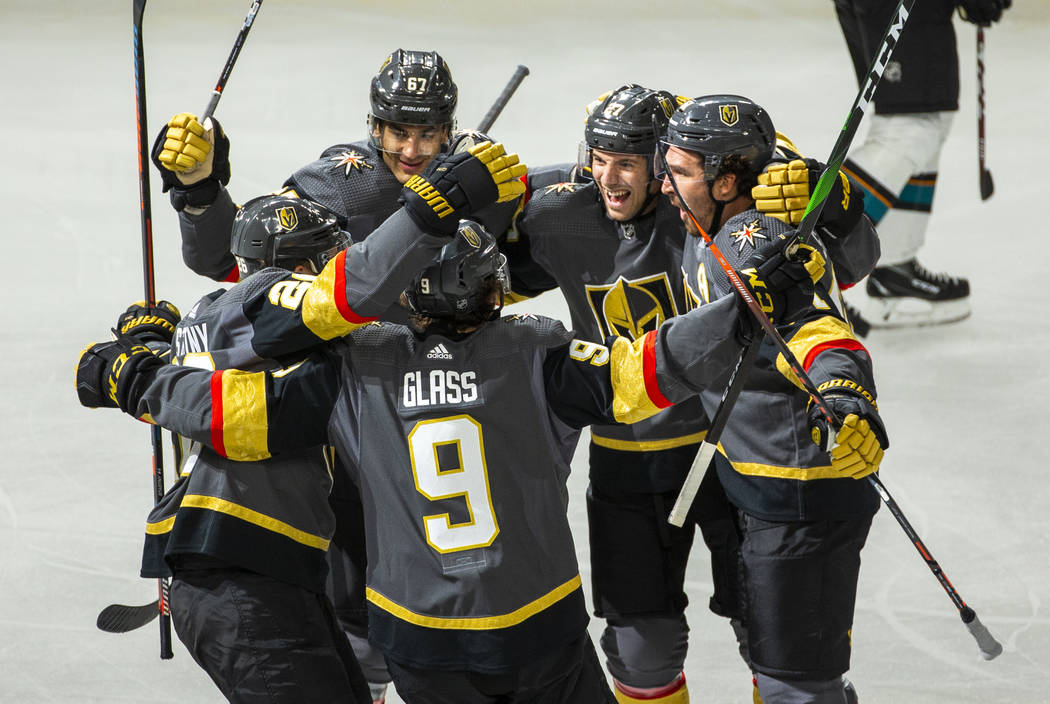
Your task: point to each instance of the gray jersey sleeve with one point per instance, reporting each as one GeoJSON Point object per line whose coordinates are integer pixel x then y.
{"type": "Point", "coordinates": [206, 239]}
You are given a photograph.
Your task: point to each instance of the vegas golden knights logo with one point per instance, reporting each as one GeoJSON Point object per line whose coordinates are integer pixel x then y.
{"type": "Point", "coordinates": [288, 217]}
{"type": "Point", "coordinates": [728, 114]}
{"type": "Point", "coordinates": [631, 308]}
{"type": "Point", "coordinates": [470, 236]}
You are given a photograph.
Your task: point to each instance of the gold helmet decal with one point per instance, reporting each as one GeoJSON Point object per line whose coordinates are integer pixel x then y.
{"type": "Point", "coordinates": [728, 114]}
{"type": "Point", "coordinates": [471, 237]}
{"type": "Point", "coordinates": [668, 106]}
{"type": "Point", "coordinates": [288, 217]}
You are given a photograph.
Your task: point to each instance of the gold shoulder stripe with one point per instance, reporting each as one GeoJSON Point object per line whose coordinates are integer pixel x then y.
{"type": "Point", "coordinates": [480, 623]}
{"type": "Point", "coordinates": [810, 336]}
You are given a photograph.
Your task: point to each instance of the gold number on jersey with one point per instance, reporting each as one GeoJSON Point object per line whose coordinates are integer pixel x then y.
{"type": "Point", "coordinates": [583, 351]}
{"type": "Point", "coordinates": [289, 292]}
{"type": "Point", "coordinates": [417, 84]}
{"type": "Point", "coordinates": [448, 461]}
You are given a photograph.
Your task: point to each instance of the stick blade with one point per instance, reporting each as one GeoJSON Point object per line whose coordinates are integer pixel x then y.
{"type": "Point", "coordinates": [987, 185]}
{"type": "Point", "coordinates": [118, 618]}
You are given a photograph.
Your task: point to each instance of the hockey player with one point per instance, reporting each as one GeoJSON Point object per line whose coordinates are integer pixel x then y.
{"type": "Point", "coordinates": [356, 285]}
{"type": "Point", "coordinates": [614, 247]}
{"type": "Point", "coordinates": [897, 163]}
{"type": "Point", "coordinates": [245, 543]}
{"type": "Point", "coordinates": [412, 117]}
{"type": "Point", "coordinates": [473, 588]}
{"type": "Point", "coordinates": [803, 518]}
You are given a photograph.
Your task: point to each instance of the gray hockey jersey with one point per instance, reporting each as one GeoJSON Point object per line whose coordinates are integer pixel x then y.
{"type": "Point", "coordinates": [462, 447]}
{"type": "Point", "coordinates": [618, 279]}
{"type": "Point", "coordinates": [351, 180]}
{"type": "Point", "coordinates": [271, 516]}
{"type": "Point", "coordinates": [767, 461]}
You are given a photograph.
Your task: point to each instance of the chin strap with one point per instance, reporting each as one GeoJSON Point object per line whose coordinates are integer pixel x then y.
{"type": "Point", "coordinates": [720, 206]}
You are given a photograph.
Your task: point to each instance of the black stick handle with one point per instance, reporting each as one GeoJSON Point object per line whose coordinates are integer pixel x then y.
{"type": "Point", "coordinates": [501, 102]}
{"type": "Point", "coordinates": [986, 642]}
{"type": "Point", "coordinates": [138, 8]}
{"type": "Point", "coordinates": [230, 61]}
{"type": "Point", "coordinates": [986, 183]}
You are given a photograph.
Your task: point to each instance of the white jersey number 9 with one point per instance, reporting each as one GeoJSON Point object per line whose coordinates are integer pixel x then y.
{"type": "Point", "coordinates": [459, 437]}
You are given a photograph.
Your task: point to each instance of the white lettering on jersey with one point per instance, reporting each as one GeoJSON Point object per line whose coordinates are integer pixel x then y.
{"type": "Point", "coordinates": [192, 338]}
{"type": "Point", "coordinates": [438, 387]}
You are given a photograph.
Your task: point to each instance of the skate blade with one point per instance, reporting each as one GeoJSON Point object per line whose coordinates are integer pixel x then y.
{"type": "Point", "coordinates": [907, 312]}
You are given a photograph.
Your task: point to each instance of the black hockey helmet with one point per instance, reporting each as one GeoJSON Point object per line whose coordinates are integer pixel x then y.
{"type": "Point", "coordinates": [719, 126]}
{"type": "Point", "coordinates": [458, 282]}
{"type": "Point", "coordinates": [283, 231]}
{"type": "Point", "coordinates": [413, 88]}
{"type": "Point", "coordinates": [628, 119]}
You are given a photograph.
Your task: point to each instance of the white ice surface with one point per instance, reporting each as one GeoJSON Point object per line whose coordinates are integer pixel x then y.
{"type": "Point", "coordinates": [965, 404]}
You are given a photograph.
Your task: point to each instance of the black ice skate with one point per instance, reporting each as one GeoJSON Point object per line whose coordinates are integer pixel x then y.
{"type": "Point", "coordinates": [908, 294]}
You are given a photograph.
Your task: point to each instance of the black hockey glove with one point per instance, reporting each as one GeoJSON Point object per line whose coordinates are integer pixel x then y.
{"type": "Point", "coordinates": [190, 166]}
{"type": "Point", "coordinates": [856, 448]}
{"type": "Point", "coordinates": [982, 12]}
{"type": "Point", "coordinates": [782, 279]}
{"type": "Point", "coordinates": [149, 323]}
{"type": "Point", "coordinates": [844, 204]}
{"type": "Point", "coordinates": [108, 373]}
{"type": "Point", "coordinates": [456, 185]}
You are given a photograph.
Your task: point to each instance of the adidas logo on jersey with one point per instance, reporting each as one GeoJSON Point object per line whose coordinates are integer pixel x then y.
{"type": "Point", "coordinates": [439, 352]}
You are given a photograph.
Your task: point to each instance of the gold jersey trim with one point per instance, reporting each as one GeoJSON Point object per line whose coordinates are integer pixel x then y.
{"type": "Point", "coordinates": [160, 527]}
{"type": "Point", "coordinates": [246, 514]}
{"type": "Point", "coordinates": [648, 445]}
{"type": "Point", "coordinates": [803, 474]}
{"type": "Point", "coordinates": [244, 422]}
{"type": "Point", "coordinates": [480, 623]}
{"type": "Point", "coordinates": [814, 333]}
{"type": "Point", "coordinates": [631, 399]}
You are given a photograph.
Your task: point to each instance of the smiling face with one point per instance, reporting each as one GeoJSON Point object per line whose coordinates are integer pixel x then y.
{"type": "Point", "coordinates": [624, 182]}
{"type": "Point", "coordinates": [407, 149]}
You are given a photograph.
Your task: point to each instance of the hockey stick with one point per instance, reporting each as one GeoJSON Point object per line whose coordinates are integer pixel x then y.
{"type": "Point", "coordinates": [809, 221]}
{"type": "Point", "coordinates": [501, 101]}
{"type": "Point", "coordinates": [145, 209]}
{"type": "Point", "coordinates": [987, 186]}
{"type": "Point", "coordinates": [230, 61]}
{"type": "Point", "coordinates": [118, 618]}
{"type": "Point", "coordinates": [710, 444]}
{"type": "Point", "coordinates": [986, 642]}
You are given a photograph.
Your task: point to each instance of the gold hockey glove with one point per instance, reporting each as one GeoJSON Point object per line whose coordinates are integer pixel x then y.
{"type": "Point", "coordinates": [784, 190]}
{"type": "Point", "coordinates": [856, 448]}
{"type": "Point", "coordinates": [193, 160]}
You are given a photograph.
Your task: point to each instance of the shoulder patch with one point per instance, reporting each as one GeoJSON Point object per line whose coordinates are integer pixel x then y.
{"type": "Point", "coordinates": [566, 187]}
{"type": "Point", "coordinates": [748, 233]}
{"type": "Point", "coordinates": [350, 160]}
